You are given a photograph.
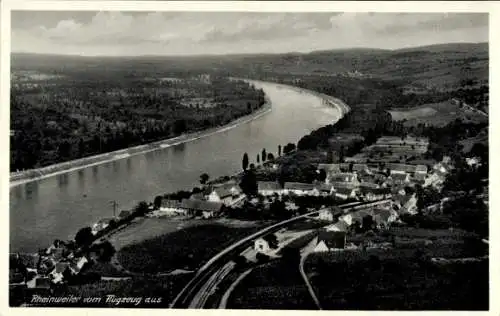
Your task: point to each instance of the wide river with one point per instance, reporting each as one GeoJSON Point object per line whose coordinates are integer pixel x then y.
{"type": "Point", "coordinates": [56, 207]}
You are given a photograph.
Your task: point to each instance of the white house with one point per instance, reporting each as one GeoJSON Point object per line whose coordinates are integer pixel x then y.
{"type": "Point", "coordinates": [300, 188]}
{"type": "Point", "coordinates": [329, 214]}
{"type": "Point", "coordinates": [224, 194]}
{"type": "Point", "coordinates": [346, 193]}
{"type": "Point", "coordinates": [330, 241]}
{"type": "Point", "coordinates": [261, 245]}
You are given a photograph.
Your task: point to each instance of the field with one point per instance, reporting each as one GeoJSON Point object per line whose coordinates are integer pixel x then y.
{"type": "Point", "coordinates": [403, 278]}
{"type": "Point", "coordinates": [438, 114]}
{"type": "Point", "coordinates": [185, 248]}
{"type": "Point", "coordinates": [272, 286]}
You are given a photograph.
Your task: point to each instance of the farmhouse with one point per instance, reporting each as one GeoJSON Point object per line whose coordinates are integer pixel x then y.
{"type": "Point", "coordinates": [269, 188]}
{"type": "Point", "coordinates": [330, 241]}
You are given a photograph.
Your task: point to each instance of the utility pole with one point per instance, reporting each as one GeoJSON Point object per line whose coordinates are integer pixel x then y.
{"type": "Point", "coordinates": [114, 207]}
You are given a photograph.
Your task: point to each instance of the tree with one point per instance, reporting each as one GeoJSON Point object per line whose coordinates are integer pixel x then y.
{"type": "Point", "coordinates": [84, 236]}
{"type": "Point", "coordinates": [248, 183]}
{"type": "Point", "coordinates": [368, 223]}
{"type": "Point", "coordinates": [244, 162]}
{"type": "Point", "coordinates": [264, 155]}
{"type": "Point", "coordinates": [279, 150]}
{"type": "Point", "coordinates": [157, 202]}
{"type": "Point", "coordinates": [272, 240]}
{"type": "Point", "coordinates": [204, 178]}
{"type": "Point", "coordinates": [289, 148]}
{"type": "Point", "coordinates": [322, 175]}
{"type": "Point", "coordinates": [258, 158]}
{"type": "Point", "coordinates": [270, 156]}
{"type": "Point", "coordinates": [142, 208]}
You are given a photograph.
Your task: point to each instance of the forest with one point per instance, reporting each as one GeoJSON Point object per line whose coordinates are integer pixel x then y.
{"type": "Point", "coordinates": [71, 114]}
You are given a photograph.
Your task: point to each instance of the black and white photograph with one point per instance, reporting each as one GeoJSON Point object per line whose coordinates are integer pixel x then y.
{"type": "Point", "coordinates": [248, 160]}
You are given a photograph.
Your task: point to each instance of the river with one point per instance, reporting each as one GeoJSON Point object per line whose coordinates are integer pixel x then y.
{"type": "Point", "coordinates": [56, 207]}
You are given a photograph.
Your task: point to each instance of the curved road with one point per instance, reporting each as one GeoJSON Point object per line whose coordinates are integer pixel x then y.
{"type": "Point", "coordinates": [204, 283]}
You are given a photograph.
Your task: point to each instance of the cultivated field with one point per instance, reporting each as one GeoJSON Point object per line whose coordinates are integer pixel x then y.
{"type": "Point", "coordinates": [438, 114]}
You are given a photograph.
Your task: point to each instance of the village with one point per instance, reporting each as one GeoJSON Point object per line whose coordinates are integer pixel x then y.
{"type": "Point", "coordinates": [390, 189]}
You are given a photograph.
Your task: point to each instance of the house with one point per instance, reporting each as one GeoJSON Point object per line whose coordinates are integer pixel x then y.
{"type": "Point", "coordinates": [330, 241]}
{"type": "Point", "coordinates": [373, 194]}
{"type": "Point", "coordinates": [339, 226]}
{"type": "Point", "coordinates": [325, 189]}
{"type": "Point", "coordinates": [349, 177]}
{"type": "Point", "coordinates": [435, 180]}
{"type": "Point", "coordinates": [406, 203]}
{"type": "Point", "coordinates": [384, 217]}
{"type": "Point", "coordinates": [77, 267]}
{"type": "Point", "coordinates": [266, 243]}
{"type": "Point", "coordinates": [421, 169]}
{"type": "Point", "coordinates": [57, 274]}
{"type": "Point", "coordinates": [224, 194]}
{"type": "Point", "coordinates": [396, 168]}
{"type": "Point", "coordinates": [101, 224]}
{"type": "Point", "coordinates": [206, 209]}
{"type": "Point", "coordinates": [346, 193]}
{"type": "Point", "coordinates": [400, 178]}
{"type": "Point", "coordinates": [300, 188]}
{"type": "Point", "coordinates": [473, 162]}
{"type": "Point", "coordinates": [267, 188]}
{"type": "Point", "coordinates": [361, 168]}
{"type": "Point", "coordinates": [420, 177]}
{"type": "Point", "coordinates": [261, 245]}
{"type": "Point", "coordinates": [329, 214]}
{"type": "Point", "coordinates": [329, 168]}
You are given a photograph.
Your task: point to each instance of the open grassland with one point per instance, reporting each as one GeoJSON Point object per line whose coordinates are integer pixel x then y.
{"type": "Point", "coordinates": [186, 248]}
{"type": "Point", "coordinates": [272, 286]}
{"type": "Point", "coordinates": [438, 114]}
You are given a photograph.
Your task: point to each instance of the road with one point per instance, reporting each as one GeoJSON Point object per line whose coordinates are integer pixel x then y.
{"type": "Point", "coordinates": [204, 283]}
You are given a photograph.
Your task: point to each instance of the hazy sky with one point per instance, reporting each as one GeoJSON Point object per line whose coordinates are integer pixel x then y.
{"type": "Point", "coordinates": [181, 33]}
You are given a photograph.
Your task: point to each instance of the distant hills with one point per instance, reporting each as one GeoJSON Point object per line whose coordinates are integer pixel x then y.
{"type": "Point", "coordinates": [441, 64]}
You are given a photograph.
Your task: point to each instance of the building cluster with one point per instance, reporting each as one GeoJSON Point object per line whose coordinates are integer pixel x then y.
{"type": "Point", "coordinates": [54, 265]}
{"type": "Point", "coordinates": [206, 204]}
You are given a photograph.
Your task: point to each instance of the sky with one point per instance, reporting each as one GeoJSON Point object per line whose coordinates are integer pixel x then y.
{"type": "Point", "coordinates": [118, 33]}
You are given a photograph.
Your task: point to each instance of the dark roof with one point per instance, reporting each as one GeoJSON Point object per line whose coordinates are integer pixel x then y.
{"type": "Point", "coordinates": [346, 191]}
{"type": "Point", "coordinates": [267, 185]}
{"type": "Point", "coordinates": [124, 214]}
{"type": "Point", "coordinates": [201, 205]}
{"type": "Point", "coordinates": [223, 192]}
{"type": "Point", "coordinates": [400, 167]}
{"type": "Point", "coordinates": [61, 266]}
{"type": "Point", "coordinates": [332, 239]}
{"type": "Point", "coordinates": [399, 176]}
{"type": "Point", "coordinates": [349, 185]}
{"type": "Point", "coordinates": [368, 185]}
{"type": "Point", "coordinates": [43, 282]}
{"type": "Point", "coordinates": [299, 186]}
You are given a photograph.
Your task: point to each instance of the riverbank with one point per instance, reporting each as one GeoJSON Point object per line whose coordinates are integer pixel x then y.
{"type": "Point", "coordinates": [18, 178]}
{"type": "Point", "coordinates": [337, 103]}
